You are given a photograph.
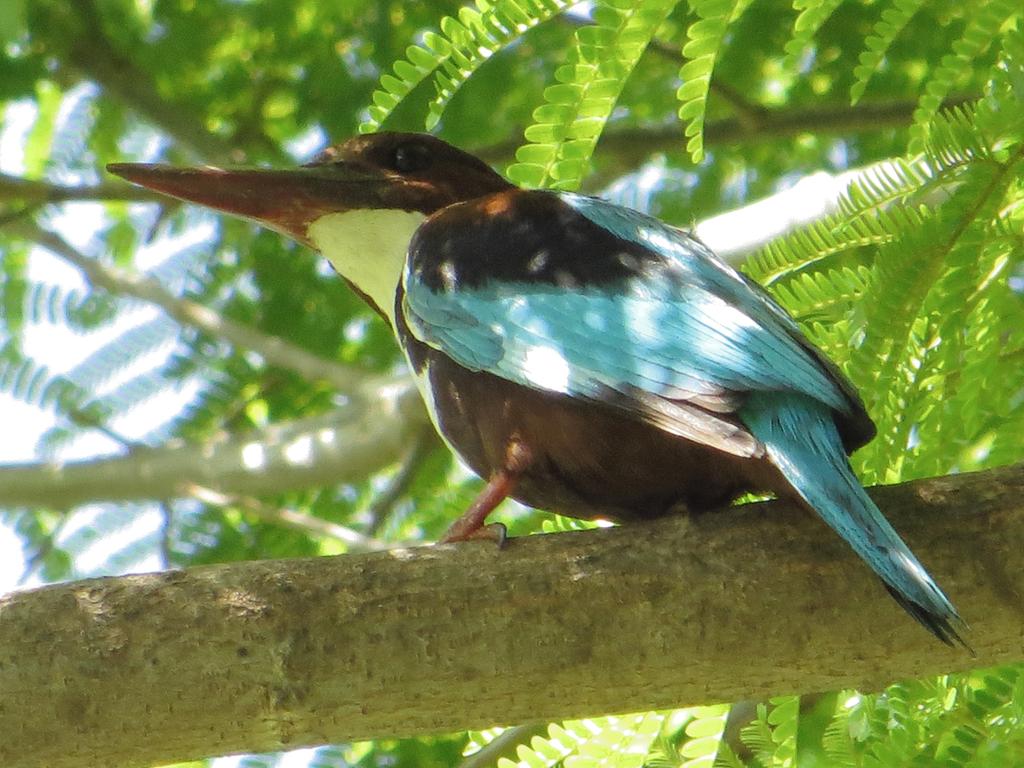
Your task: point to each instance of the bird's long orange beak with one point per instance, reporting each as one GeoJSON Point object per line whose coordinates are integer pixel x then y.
{"type": "Point", "coordinates": [285, 200]}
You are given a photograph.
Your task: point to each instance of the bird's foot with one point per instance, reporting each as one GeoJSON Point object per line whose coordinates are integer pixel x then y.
{"type": "Point", "coordinates": [496, 532]}
{"type": "Point", "coordinates": [471, 525]}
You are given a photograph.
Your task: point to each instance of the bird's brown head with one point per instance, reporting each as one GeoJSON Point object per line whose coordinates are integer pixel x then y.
{"type": "Point", "coordinates": [395, 171]}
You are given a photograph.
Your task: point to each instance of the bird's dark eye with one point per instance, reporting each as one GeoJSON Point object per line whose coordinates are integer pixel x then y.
{"type": "Point", "coordinates": [409, 158]}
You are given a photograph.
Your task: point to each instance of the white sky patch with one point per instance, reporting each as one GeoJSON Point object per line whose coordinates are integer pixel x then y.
{"type": "Point", "coordinates": [298, 758]}
{"type": "Point", "coordinates": [143, 523]}
{"type": "Point", "coordinates": [300, 451]}
{"type": "Point", "coordinates": [232, 761]}
{"type": "Point", "coordinates": [17, 122]}
{"type": "Point", "coordinates": [327, 436]}
{"type": "Point", "coordinates": [156, 411]}
{"type": "Point", "coordinates": [547, 367]}
{"type": "Point", "coordinates": [307, 144]}
{"type": "Point", "coordinates": [149, 256]}
{"type": "Point", "coordinates": [254, 456]}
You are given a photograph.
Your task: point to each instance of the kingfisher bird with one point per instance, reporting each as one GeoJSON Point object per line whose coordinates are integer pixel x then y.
{"type": "Point", "coordinates": [579, 356]}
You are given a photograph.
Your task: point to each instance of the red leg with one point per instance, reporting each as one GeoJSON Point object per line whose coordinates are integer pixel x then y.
{"type": "Point", "coordinates": [501, 484]}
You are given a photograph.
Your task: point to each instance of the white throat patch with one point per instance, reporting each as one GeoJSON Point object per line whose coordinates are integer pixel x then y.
{"type": "Point", "coordinates": [369, 248]}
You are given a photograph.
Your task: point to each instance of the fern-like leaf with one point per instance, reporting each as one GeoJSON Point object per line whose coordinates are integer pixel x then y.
{"type": "Point", "coordinates": [982, 29]}
{"type": "Point", "coordinates": [477, 36]}
{"type": "Point", "coordinates": [462, 47]}
{"type": "Point", "coordinates": [813, 15]}
{"type": "Point", "coordinates": [706, 36]}
{"type": "Point", "coordinates": [567, 126]}
{"type": "Point", "coordinates": [826, 237]}
{"type": "Point", "coordinates": [953, 140]}
{"type": "Point", "coordinates": [27, 380]}
{"type": "Point", "coordinates": [965, 738]}
{"type": "Point", "coordinates": [883, 184]}
{"type": "Point", "coordinates": [33, 302]}
{"type": "Point", "coordinates": [840, 740]}
{"type": "Point", "coordinates": [548, 751]}
{"type": "Point", "coordinates": [113, 359]}
{"type": "Point", "coordinates": [823, 296]}
{"type": "Point", "coordinates": [757, 736]}
{"type": "Point", "coordinates": [906, 273]}
{"type": "Point", "coordinates": [885, 31]}
{"type": "Point", "coordinates": [868, 214]}
{"type": "Point", "coordinates": [704, 735]}
{"type": "Point", "coordinates": [619, 742]}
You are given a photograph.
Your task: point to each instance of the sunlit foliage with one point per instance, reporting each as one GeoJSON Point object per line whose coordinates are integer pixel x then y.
{"type": "Point", "coordinates": [915, 286]}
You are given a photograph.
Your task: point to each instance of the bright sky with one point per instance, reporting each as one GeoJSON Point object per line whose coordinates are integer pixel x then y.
{"type": "Point", "coordinates": [61, 349]}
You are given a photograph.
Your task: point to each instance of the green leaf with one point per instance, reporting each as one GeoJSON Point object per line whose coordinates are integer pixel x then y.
{"type": "Point", "coordinates": [568, 126]}
{"type": "Point", "coordinates": [706, 37]}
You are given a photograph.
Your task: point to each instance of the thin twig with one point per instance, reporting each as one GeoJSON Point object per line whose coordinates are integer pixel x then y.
{"type": "Point", "coordinates": [81, 417]}
{"type": "Point", "coordinates": [38, 191]}
{"type": "Point", "coordinates": [273, 349]}
{"type": "Point", "coordinates": [383, 505]}
{"type": "Point", "coordinates": [632, 146]}
{"type": "Point", "coordinates": [290, 518]}
{"type": "Point", "coordinates": [166, 532]}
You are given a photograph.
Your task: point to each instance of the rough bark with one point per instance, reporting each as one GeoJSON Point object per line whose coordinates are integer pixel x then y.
{"type": "Point", "coordinates": [762, 600]}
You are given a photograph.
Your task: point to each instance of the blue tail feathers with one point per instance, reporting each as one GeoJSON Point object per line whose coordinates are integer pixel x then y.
{"type": "Point", "coordinates": [802, 441]}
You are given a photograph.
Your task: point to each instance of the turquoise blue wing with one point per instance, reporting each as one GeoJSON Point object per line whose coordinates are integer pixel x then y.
{"type": "Point", "coordinates": [702, 268]}
{"type": "Point", "coordinates": [674, 341]}
{"type": "Point", "coordinates": [675, 337]}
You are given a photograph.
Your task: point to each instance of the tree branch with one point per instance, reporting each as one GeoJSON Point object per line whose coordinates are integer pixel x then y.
{"type": "Point", "coordinates": [92, 54]}
{"type": "Point", "coordinates": [36, 191]}
{"type": "Point", "coordinates": [345, 445]}
{"type": "Point", "coordinates": [759, 601]}
{"type": "Point", "coordinates": [273, 349]}
{"type": "Point", "coordinates": [634, 146]}
{"type": "Point", "coordinates": [291, 518]}
{"type": "Point", "coordinates": [425, 443]}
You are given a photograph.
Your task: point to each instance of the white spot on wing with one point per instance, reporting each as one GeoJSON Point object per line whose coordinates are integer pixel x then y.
{"type": "Point", "coordinates": [628, 260]}
{"type": "Point", "coordinates": [564, 279]}
{"type": "Point", "coordinates": [643, 319]}
{"type": "Point", "coordinates": [538, 261]}
{"type": "Point", "coordinates": [547, 368]}
{"type": "Point", "coordinates": [448, 275]}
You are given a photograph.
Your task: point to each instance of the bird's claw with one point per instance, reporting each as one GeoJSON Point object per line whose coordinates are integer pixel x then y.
{"type": "Point", "coordinates": [496, 532]}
